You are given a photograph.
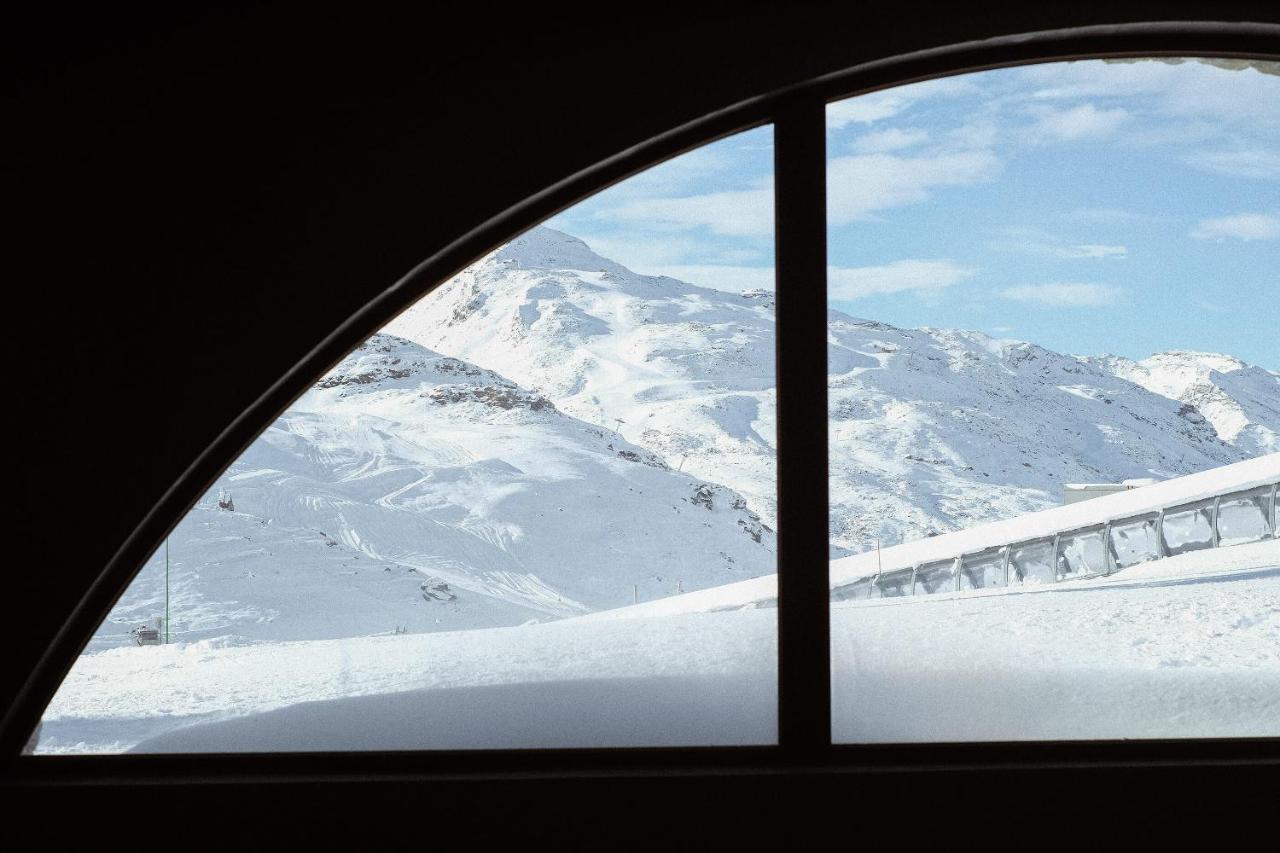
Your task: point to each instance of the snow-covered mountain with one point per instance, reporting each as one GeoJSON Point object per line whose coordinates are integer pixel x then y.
{"type": "Point", "coordinates": [595, 436]}
{"type": "Point", "coordinates": [685, 371]}
{"type": "Point", "coordinates": [933, 430]}
{"type": "Point", "coordinates": [1242, 401]}
{"type": "Point", "coordinates": [416, 491]}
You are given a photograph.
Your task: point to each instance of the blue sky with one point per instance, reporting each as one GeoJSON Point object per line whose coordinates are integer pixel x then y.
{"type": "Point", "coordinates": [1091, 207]}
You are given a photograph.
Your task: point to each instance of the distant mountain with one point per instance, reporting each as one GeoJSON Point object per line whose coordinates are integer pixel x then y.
{"type": "Point", "coordinates": [935, 430]}
{"type": "Point", "coordinates": [1241, 400]}
{"type": "Point", "coordinates": [932, 429]}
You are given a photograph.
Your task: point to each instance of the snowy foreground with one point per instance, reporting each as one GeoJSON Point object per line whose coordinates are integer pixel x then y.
{"type": "Point", "coordinates": [1188, 646]}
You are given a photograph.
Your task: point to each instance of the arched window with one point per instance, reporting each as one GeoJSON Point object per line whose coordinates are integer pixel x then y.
{"type": "Point", "coordinates": [540, 508]}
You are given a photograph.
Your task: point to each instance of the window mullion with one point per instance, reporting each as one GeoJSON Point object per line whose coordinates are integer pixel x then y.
{"type": "Point", "coordinates": [804, 662]}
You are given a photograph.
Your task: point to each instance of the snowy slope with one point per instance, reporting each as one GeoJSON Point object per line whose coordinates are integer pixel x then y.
{"type": "Point", "coordinates": [688, 370]}
{"type": "Point", "coordinates": [416, 491]}
{"type": "Point", "coordinates": [935, 430]}
{"type": "Point", "coordinates": [1241, 401]}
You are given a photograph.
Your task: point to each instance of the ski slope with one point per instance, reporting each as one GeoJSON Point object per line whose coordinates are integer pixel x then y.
{"type": "Point", "coordinates": [416, 491]}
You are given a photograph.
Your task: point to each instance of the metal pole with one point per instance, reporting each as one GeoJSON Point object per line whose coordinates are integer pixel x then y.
{"type": "Point", "coordinates": [166, 590]}
{"type": "Point", "coordinates": [1162, 550]}
{"type": "Point", "coordinates": [1275, 516]}
{"type": "Point", "coordinates": [1108, 555]}
{"type": "Point", "coordinates": [1213, 521]}
{"type": "Point", "coordinates": [1053, 561]}
{"type": "Point", "coordinates": [1004, 563]}
{"type": "Point", "coordinates": [956, 569]}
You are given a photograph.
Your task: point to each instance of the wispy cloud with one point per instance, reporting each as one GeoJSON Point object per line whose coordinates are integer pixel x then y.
{"type": "Point", "coordinates": [1195, 89]}
{"type": "Point", "coordinates": [1111, 216]}
{"type": "Point", "coordinates": [1242, 226]}
{"type": "Point", "coordinates": [889, 139]}
{"type": "Point", "coordinates": [858, 186]}
{"type": "Point", "coordinates": [729, 213]}
{"type": "Point", "coordinates": [1039, 242]}
{"type": "Point", "coordinates": [864, 110]}
{"type": "Point", "coordinates": [1255, 162]}
{"type": "Point", "coordinates": [1063, 295]}
{"type": "Point", "coordinates": [1080, 123]}
{"type": "Point", "coordinates": [876, 106]}
{"type": "Point", "coordinates": [1093, 250]}
{"type": "Point", "coordinates": [896, 277]}
{"type": "Point", "coordinates": [864, 183]}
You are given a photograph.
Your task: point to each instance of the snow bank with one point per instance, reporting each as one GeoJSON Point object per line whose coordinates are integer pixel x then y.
{"type": "Point", "coordinates": [1186, 647]}
{"type": "Point", "coordinates": [704, 710]}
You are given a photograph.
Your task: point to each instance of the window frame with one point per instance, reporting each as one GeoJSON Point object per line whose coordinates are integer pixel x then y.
{"type": "Point", "coordinates": [797, 114]}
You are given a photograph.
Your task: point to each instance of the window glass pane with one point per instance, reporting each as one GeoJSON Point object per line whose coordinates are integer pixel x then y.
{"type": "Point", "coordinates": [1242, 517]}
{"type": "Point", "coordinates": [984, 569]}
{"type": "Point", "coordinates": [1082, 553]}
{"type": "Point", "coordinates": [1188, 528]}
{"type": "Point", "coordinates": [1134, 541]}
{"type": "Point", "coordinates": [500, 522]}
{"type": "Point", "coordinates": [1054, 403]}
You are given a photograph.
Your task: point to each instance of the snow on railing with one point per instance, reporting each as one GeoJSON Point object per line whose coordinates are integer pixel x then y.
{"type": "Point", "coordinates": [1230, 505]}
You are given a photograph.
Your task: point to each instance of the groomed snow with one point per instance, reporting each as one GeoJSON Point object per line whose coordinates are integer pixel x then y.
{"type": "Point", "coordinates": [1183, 647]}
{"type": "Point", "coordinates": [1188, 646]}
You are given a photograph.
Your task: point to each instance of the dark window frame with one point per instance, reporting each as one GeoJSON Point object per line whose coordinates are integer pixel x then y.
{"type": "Point", "coordinates": [804, 747]}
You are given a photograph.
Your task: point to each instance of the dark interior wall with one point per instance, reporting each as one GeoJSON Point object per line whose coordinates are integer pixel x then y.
{"type": "Point", "coordinates": [201, 197]}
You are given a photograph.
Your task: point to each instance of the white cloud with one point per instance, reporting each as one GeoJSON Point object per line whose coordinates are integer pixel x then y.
{"type": "Point", "coordinates": [1194, 89]}
{"type": "Point", "coordinates": [734, 213]}
{"type": "Point", "coordinates": [1240, 162]}
{"type": "Point", "coordinates": [975, 136]}
{"type": "Point", "coordinates": [1063, 295]}
{"type": "Point", "coordinates": [1093, 250]}
{"type": "Point", "coordinates": [857, 186]}
{"type": "Point", "coordinates": [875, 106]}
{"type": "Point", "coordinates": [1037, 241]}
{"type": "Point", "coordinates": [1082, 122]}
{"type": "Point", "coordinates": [896, 277]}
{"type": "Point", "coordinates": [889, 139]}
{"type": "Point", "coordinates": [1111, 216]}
{"type": "Point", "coordinates": [864, 109]}
{"type": "Point", "coordinates": [1242, 226]}
{"type": "Point", "coordinates": [842, 282]}
{"type": "Point", "coordinates": [863, 183]}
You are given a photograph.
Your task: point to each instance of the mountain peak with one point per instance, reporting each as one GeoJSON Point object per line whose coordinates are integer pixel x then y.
{"type": "Point", "coordinates": [1194, 359]}
{"type": "Point", "coordinates": [548, 249]}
